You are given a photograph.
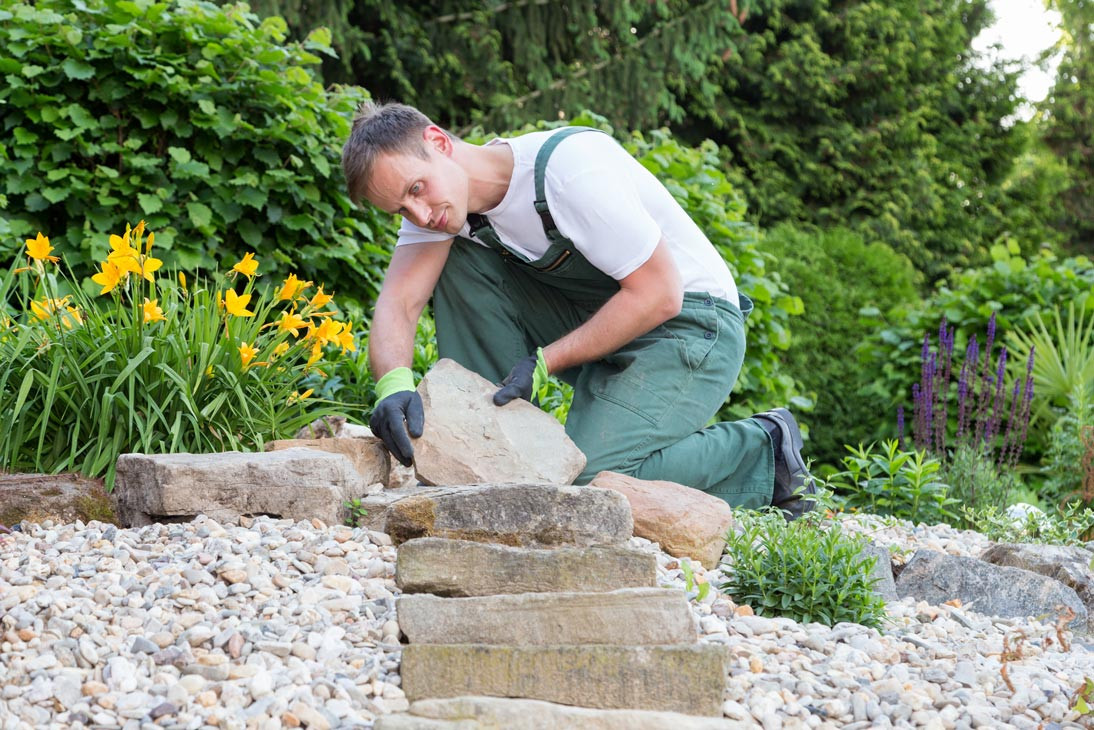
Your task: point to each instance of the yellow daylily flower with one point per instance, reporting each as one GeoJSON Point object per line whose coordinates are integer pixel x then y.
{"type": "Point", "coordinates": [151, 238]}
{"type": "Point", "coordinates": [138, 233]}
{"type": "Point", "coordinates": [109, 277]}
{"type": "Point", "coordinates": [281, 349]}
{"type": "Point", "coordinates": [291, 288]}
{"type": "Point", "coordinates": [71, 317]}
{"type": "Point", "coordinates": [291, 322]}
{"type": "Point", "coordinates": [295, 396]}
{"type": "Point", "coordinates": [182, 280]}
{"type": "Point", "coordinates": [316, 353]}
{"type": "Point", "coordinates": [345, 338]}
{"type": "Point", "coordinates": [152, 311]}
{"type": "Point", "coordinates": [247, 353]}
{"type": "Point", "coordinates": [320, 299]}
{"type": "Point", "coordinates": [247, 266]}
{"type": "Point", "coordinates": [236, 304]}
{"type": "Point", "coordinates": [148, 266]}
{"type": "Point", "coordinates": [124, 256]}
{"type": "Point", "coordinates": [39, 248]}
{"type": "Point", "coordinates": [325, 332]}
{"type": "Point", "coordinates": [44, 310]}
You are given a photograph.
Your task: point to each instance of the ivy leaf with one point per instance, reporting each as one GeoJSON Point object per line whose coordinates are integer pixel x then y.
{"type": "Point", "coordinates": [150, 203]}
{"type": "Point", "coordinates": [200, 214]}
{"type": "Point", "coordinates": [77, 69]}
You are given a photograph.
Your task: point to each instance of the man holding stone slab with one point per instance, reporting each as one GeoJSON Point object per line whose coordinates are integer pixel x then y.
{"type": "Point", "coordinates": [557, 252]}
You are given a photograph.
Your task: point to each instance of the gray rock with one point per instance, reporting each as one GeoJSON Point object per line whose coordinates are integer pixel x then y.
{"type": "Point", "coordinates": [688, 679]}
{"type": "Point", "coordinates": [517, 714]}
{"type": "Point", "coordinates": [525, 515]}
{"type": "Point", "coordinates": [989, 589]}
{"type": "Point", "coordinates": [368, 455]}
{"type": "Point", "coordinates": [294, 483]}
{"type": "Point", "coordinates": [465, 568]}
{"type": "Point", "coordinates": [882, 573]}
{"type": "Point", "coordinates": [1068, 564]}
{"type": "Point", "coordinates": [631, 616]}
{"type": "Point", "coordinates": [469, 440]}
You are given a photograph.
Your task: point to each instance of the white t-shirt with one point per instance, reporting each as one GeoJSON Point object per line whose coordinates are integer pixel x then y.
{"type": "Point", "coordinates": [613, 209]}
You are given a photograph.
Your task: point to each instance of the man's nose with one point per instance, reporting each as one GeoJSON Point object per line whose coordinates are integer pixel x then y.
{"type": "Point", "coordinates": [419, 214]}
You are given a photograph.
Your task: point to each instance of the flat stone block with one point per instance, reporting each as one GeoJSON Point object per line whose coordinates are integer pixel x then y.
{"type": "Point", "coordinates": [483, 713]}
{"type": "Point", "coordinates": [368, 455]}
{"type": "Point", "coordinates": [631, 616]}
{"type": "Point", "coordinates": [687, 679]}
{"type": "Point", "coordinates": [295, 483]}
{"type": "Point", "coordinates": [524, 515]}
{"type": "Point", "coordinates": [464, 568]}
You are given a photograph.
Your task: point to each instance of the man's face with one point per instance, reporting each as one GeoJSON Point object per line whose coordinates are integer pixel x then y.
{"type": "Point", "coordinates": [430, 193]}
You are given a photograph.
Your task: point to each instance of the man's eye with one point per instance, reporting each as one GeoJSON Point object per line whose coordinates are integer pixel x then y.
{"type": "Point", "coordinates": [415, 188]}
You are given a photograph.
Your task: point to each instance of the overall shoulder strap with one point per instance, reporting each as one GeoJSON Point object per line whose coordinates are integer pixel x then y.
{"type": "Point", "coordinates": [544, 154]}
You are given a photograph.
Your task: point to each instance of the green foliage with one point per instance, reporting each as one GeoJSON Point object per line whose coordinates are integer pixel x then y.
{"type": "Point", "coordinates": [1065, 526]}
{"type": "Point", "coordinates": [837, 275]}
{"type": "Point", "coordinates": [696, 591]}
{"type": "Point", "coordinates": [505, 64]}
{"type": "Point", "coordinates": [83, 380]}
{"type": "Point", "coordinates": [890, 481]}
{"type": "Point", "coordinates": [976, 482]}
{"type": "Point", "coordinates": [1067, 458]}
{"type": "Point", "coordinates": [201, 116]}
{"type": "Point", "coordinates": [874, 114]}
{"type": "Point", "coordinates": [801, 571]}
{"type": "Point", "coordinates": [1063, 368]}
{"type": "Point", "coordinates": [1012, 287]}
{"type": "Point", "coordinates": [357, 512]}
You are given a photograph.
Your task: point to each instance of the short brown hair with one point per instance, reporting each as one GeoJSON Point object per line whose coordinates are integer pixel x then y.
{"type": "Point", "coordinates": [379, 129]}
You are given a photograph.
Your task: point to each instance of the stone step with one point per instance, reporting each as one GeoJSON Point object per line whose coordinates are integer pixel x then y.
{"type": "Point", "coordinates": [522, 515]}
{"type": "Point", "coordinates": [627, 617]}
{"type": "Point", "coordinates": [463, 568]}
{"type": "Point", "coordinates": [492, 713]}
{"type": "Point", "coordinates": [300, 484]}
{"type": "Point", "coordinates": [689, 679]}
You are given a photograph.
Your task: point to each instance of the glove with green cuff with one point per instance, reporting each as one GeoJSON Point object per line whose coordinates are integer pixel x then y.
{"type": "Point", "coordinates": [524, 380]}
{"type": "Point", "coordinates": [398, 412]}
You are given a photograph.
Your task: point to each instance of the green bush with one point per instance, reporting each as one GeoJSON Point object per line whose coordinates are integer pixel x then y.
{"type": "Point", "coordinates": [838, 276]}
{"type": "Point", "coordinates": [156, 365]}
{"type": "Point", "coordinates": [801, 571]}
{"type": "Point", "coordinates": [200, 116]}
{"type": "Point", "coordinates": [1013, 288]}
{"type": "Point", "coordinates": [1066, 525]}
{"type": "Point", "coordinates": [888, 480]}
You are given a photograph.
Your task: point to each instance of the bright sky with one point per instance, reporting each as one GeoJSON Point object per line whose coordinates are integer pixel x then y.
{"type": "Point", "coordinates": [1024, 28]}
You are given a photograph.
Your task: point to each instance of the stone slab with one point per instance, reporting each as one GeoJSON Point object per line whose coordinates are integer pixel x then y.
{"type": "Point", "coordinates": [295, 483]}
{"type": "Point", "coordinates": [687, 679]}
{"type": "Point", "coordinates": [627, 617]}
{"type": "Point", "coordinates": [57, 497]}
{"type": "Point", "coordinates": [685, 522]}
{"type": "Point", "coordinates": [522, 515]}
{"type": "Point", "coordinates": [464, 568]}
{"type": "Point", "coordinates": [494, 713]}
{"type": "Point", "coordinates": [368, 455]}
{"type": "Point", "coordinates": [469, 440]}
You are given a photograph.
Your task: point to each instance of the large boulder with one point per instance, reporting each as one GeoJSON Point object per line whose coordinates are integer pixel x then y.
{"type": "Point", "coordinates": [522, 515]}
{"type": "Point", "coordinates": [1068, 564]}
{"type": "Point", "coordinates": [517, 714]}
{"type": "Point", "coordinates": [464, 568]}
{"type": "Point", "coordinates": [295, 483]}
{"type": "Point", "coordinates": [630, 616]}
{"type": "Point", "coordinates": [469, 440]}
{"type": "Point", "coordinates": [989, 589]}
{"type": "Point", "coordinates": [686, 523]}
{"type": "Point", "coordinates": [58, 497]}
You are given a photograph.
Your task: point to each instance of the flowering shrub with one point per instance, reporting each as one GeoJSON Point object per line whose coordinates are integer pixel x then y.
{"type": "Point", "coordinates": [163, 365]}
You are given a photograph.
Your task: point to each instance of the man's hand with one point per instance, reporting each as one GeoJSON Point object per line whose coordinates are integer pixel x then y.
{"type": "Point", "coordinates": [399, 414]}
{"type": "Point", "coordinates": [524, 380]}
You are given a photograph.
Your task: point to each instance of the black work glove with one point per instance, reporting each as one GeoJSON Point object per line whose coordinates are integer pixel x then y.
{"type": "Point", "coordinates": [393, 418]}
{"type": "Point", "coordinates": [524, 379]}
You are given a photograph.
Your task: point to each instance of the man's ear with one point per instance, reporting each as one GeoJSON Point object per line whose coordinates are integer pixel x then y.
{"type": "Point", "coordinates": [438, 139]}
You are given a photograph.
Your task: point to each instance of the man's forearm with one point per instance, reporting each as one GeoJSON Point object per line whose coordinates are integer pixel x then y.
{"type": "Point", "coordinates": [391, 342]}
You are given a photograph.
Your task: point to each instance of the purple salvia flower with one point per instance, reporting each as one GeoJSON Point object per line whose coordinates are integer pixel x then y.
{"type": "Point", "coordinates": [917, 415]}
{"type": "Point", "coordinates": [900, 426]}
{"type": "Point", "coordinates": [962, 395]}
{"type": "Point", "coordinates": [997, 400]}
{"type": "Point", "coordinates": [1004, 453]}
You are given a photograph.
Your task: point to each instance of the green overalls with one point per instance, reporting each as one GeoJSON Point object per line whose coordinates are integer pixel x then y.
{"type": "Point", "coordinates": [640, 411]}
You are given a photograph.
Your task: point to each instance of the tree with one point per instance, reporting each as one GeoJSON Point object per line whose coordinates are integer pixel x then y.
{"type": "Point", "coordinates": [871, 114]}
{"type": "Point", "coordinates": [1069, 120]}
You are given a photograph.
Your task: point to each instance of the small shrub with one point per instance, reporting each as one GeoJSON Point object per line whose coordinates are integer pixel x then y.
{"type": "Point", "coordinates": [1067, 525]}
{"type": "Point", "coordinates": [977, 482]}
{"type": "Point", "coordinates": [160, 366]}
{"type": "Point", "coordinates": [801, 571]}
{"type": "Point", "coordinates": [888, 480]}
{"type": "Point", "coordinates": [357, 512]}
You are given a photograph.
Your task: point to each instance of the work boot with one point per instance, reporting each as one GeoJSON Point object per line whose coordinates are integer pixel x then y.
{"type": "Point", "coordinates": [793, 483]}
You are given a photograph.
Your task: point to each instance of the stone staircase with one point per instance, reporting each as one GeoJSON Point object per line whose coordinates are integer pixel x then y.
{"type": "Point", "coordinates": [524, 609]}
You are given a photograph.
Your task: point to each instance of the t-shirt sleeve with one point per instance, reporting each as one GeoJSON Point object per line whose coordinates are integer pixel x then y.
{"type": "Point", "coordinates": [410, 233]}
{"type": "Point", "coordinates": [596, 204]}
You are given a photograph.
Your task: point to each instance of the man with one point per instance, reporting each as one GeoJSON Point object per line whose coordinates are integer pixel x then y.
{"type": "Point", "coordinates": [557, 252]}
